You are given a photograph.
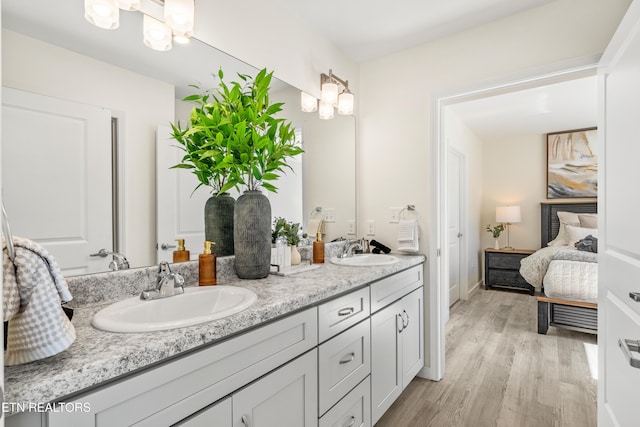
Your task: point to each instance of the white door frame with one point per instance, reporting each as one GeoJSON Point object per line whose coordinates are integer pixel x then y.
{"type": "Point", "coordinates": [437, 263]}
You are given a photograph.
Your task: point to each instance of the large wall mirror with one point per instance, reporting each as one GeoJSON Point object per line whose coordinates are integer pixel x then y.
{"type": "Point", "coordinates": [106, 94]}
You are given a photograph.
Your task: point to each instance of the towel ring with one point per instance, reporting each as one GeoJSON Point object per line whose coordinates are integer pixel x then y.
{"type": "Point", "coordinates": [410, 209]}
{"type": "Point", "coordinates": [6, 231]}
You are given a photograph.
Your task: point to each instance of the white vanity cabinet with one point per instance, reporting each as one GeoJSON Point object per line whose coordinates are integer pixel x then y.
{"type": "Point", "coordinates": [397, 352]}
{"type": "Point", "coordinates": [175, 390]}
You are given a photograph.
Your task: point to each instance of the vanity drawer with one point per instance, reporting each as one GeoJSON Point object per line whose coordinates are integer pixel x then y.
{"type": "Point", "coordinates": [341, 313]}
{"type": "Point", "coordinates": [392, 288]}
{"type": "Point", "coordinates": [353, 410]}
{"type": "Point", "coordinates": [344, 361]}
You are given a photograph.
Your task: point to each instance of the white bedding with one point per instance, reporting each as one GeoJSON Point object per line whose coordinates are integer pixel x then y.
{"type": "Point", "coordinates": [572, 280]}
{"type": "Point", "coordinates": [564, 272]}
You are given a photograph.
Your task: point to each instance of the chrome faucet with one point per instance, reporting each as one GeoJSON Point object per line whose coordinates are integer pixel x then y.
{"type": "Point", "coordinates": [349, 247]}
{"type": "Point", "coordinates": [119, 261]}
{"type": "Point", "coordinates": [168, 284]}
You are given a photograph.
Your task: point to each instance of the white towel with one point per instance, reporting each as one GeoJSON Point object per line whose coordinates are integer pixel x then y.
{"type": "Point", "coordinates": [408, 236]}
{"type": "Point", "coordinates": [33, 291]}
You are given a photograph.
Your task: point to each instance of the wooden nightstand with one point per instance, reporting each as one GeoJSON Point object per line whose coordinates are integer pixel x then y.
{"type": "Point", "coordinates": [502, 269]}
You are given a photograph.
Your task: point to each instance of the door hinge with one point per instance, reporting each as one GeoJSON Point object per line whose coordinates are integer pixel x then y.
{"type": "Point", "coordinates": [437, 252]}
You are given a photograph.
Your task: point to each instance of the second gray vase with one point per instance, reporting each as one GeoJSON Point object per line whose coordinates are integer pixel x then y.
{"type": "Point", "coordinates": [218, 223]}
{"type": "Point", "coordinates": [252, 235]}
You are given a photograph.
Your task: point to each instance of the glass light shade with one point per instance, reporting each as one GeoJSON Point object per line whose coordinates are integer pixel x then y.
{"type": "Point", "coordinates": [308, 103]}
{"type": "Point", "coordinates": [102, 13]}
{"type": "Point", "coordinates": [129, 4]}
{"type": "Point", "coordinates": [508, 214]}
{"type": "Point", "coordinates": [325, 111]}
{"type": "Point", "coordinates": [329, 93]}
{"type": "Point", "coordinates": [179, 15]}
{"type": "Point", "coordinates": [345, 103]}
{"type": "Point", "coordinates": [181, 39]}
{"type": "Point", "coordinates": [157, 34]}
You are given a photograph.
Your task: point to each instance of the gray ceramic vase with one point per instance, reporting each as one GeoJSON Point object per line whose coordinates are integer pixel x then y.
{"type": "Point", "coordinates": [252, 235]}
{"type": "Point", "coordinates": [218, 223]}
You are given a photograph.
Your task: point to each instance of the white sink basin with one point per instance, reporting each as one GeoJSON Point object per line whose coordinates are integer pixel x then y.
{"type": "Point", "coordinates": [196, 305]}
{"type": "Point", "coordinates": [365, 260]}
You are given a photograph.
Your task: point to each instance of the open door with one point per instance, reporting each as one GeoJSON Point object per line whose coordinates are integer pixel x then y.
{"type": "Point", "coordinates": [618, 211]}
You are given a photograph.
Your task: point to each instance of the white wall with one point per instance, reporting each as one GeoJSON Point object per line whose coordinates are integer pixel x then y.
{"type": "Point", "coordinates": [467, 143]}
{"type": "Point", "coordinates": [34, 66]}
{"type": "Point", "coordinates": [267, 34]}
{"type": "Point", "coordinates": [395, 92]}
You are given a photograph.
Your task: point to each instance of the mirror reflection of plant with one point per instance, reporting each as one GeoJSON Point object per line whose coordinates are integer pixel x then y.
{"type": "Point", "coordinates": [287, 229]}
{"type": "Point", "coordinates": [235, 138]}
{"type": "Point", "coordinates": [495, 231]}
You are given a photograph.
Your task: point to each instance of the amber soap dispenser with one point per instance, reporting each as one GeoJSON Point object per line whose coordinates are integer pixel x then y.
{"type": "Point", "coordinates": [318, 249]}
{"type": "Point", "coordinates": [207, 266]}
{"type": "Point", "coordinates": [181, 254]}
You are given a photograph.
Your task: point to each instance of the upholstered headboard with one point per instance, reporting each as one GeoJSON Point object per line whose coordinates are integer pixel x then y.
{"type": "Point", "coordinates": [549, 216]}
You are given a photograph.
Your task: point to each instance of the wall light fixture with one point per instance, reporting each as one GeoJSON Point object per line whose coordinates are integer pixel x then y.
{"type": "Point", "coordinates": [175, 21]}
{"type": "Point", "coordinates": [334, 93]}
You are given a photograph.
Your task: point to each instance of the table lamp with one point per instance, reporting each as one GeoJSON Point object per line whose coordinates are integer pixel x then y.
{"type": "Point", "coordinates": [508, 215]}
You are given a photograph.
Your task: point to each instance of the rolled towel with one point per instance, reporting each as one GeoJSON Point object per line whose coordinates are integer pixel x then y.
{"type": "Point", "coordinates": [34, 290]}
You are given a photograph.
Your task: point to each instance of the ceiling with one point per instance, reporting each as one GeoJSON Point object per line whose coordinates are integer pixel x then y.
{"type": "Point", "coordinates": [556, 107]}
{"type": "Point", "coordinates": [368, 29]}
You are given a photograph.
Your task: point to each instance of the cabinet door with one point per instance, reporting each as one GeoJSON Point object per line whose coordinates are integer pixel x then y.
{"type": "Point", "coordinates": [412, 335]}
{"type": "Point", "coordinates": [287, 397]}
{"type": "Point", "coordinates": [386, 375]}
{"type": "Point", "coordinates": [218, 414]}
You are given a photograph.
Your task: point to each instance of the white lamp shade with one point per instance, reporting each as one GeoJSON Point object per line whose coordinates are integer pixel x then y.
{"type": "Point", "coordinates": [129, 4]}
{"type": "Point", "coordinates": [345, 103]}
{"type": "Point", "coordinates": [329, 93]}
{"type": "Point", "coordinates": [508, 214]}
{"type": "Point", "coordinates": [326, 111]}
{"type": "Point", "coordinates": [179, 15]}
{"type": "Point", "coordinates": [308, 103]}
{"type": "Point", "coordinates": [102, 13]}
{"type": "Point", "coordinates": [157, 34]}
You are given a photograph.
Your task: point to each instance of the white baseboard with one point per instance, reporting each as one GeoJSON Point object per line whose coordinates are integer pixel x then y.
{"type": "Point", "coordinates": [476, 287]}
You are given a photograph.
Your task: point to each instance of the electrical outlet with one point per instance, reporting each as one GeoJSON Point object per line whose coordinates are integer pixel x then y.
{"type": "Point", "coordinates": [329, 215]}
{"type": "Point", "coordinates": [371, 228]}
{"type": "Point", "coordinates": [394, 214]}
{"type": "Point", "coordinates": [351, 227]}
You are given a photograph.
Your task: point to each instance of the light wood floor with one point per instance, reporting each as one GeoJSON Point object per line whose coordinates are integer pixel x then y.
{"type": "Point", "coordinates": [500, 372]}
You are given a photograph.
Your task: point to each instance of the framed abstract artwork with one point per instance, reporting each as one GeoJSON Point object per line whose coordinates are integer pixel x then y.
{"type": "Point", "coordinates": [572, 164]}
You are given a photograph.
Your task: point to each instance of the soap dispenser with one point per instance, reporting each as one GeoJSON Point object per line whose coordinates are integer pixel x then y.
{"type": "Point", "coordinates": [181, 254]}
{"type": "Point", "coordinates": [207, 266]}
{"type": "Point", "coordinates": [318, 249]}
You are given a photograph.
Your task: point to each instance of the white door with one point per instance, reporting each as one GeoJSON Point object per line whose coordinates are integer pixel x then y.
{"type": "Point", "coordinates": [619, 210]}
{"type": "Point", "coordinates": [454, 234]}
{"type": "Point", "coordinates": [180, 210]}
{"type": "Point", "coordinates": [56, 177]}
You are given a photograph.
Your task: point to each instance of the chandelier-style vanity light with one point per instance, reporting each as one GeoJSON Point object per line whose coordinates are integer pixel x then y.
{"type": "Point", "coordinates": [176, 21]}
{"type": "Point", "coordinates": [330, 97]}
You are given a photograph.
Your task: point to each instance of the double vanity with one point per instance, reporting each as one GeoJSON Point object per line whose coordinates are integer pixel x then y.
{"type": "Point", "coordinates": [333, 346]}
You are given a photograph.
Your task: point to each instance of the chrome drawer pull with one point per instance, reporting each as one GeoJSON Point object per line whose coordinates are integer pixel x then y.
{"type": "Point", "coordinates": [245, 421]}
{"type": "Point", "coordinates": [627, 347]}
{"type": "Point", "coordinates": [346, 311]}
{"type": "Point", "coordinates": [350, 358]}
{"type": "Point", "coordinates": [404, 325]}
{"type": "Point", "coordinates": [352, 421]}
{"type": "Point", "coordinates": [635, 296]}
{"type": "Point", "coordinates": [401, 327]}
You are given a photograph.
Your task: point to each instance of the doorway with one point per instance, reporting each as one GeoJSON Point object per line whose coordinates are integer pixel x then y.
{"type": "Point", "coordinates": [439, 259]}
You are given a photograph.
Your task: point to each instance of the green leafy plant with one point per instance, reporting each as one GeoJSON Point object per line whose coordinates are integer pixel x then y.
{"type": "Point", "coordinates": [234, 136]}
{"type": "Point", "coordinates": [495, 231]}
{"type": "Point", "coordinates": [286, 229]}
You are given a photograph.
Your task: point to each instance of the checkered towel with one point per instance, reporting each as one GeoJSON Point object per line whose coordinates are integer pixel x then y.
{"type": "Point", "coordinates": [33, 291]}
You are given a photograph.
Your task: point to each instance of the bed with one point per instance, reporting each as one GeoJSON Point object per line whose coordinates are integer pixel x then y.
{"type": "Point", "coordinates": [566, 278]}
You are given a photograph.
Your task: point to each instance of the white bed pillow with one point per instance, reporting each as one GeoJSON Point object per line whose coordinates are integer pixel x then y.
{"type": "Point", "coordinates": [579, 233]}
{"type": "Point", "coordinates": [588, 220]}
{"type": "Point", "coordinates": [566, 219]}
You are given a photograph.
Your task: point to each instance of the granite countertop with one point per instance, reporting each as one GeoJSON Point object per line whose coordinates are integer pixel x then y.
{"type": "Point", "coordinates": [97, 356]}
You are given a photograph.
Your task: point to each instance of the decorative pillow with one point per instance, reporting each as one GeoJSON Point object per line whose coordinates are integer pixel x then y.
{"type": "Point", "coordinates": [578, 233]}
{"type": "Point", "coordinates": [566, 218]}
{"type": "Point", "coordinates": [588, 220]}
{"type": "Point", "coordinates": [588, 244]}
